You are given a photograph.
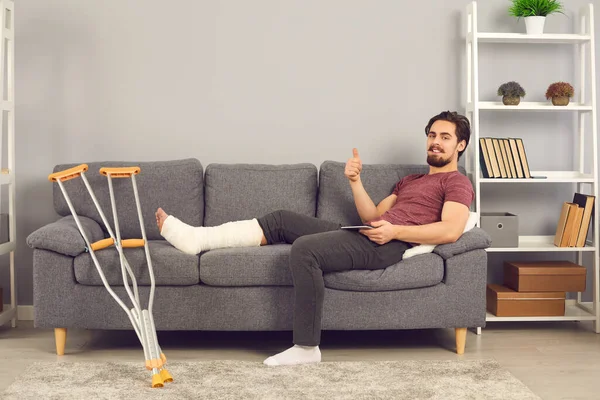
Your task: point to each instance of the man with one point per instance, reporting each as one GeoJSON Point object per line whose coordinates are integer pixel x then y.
{"type": "Point", "coordinates": [428, 208]}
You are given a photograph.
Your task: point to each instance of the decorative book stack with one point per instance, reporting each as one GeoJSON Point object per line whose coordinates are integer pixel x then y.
{"type": "Point", "coordinates": [503, 158]}
{"type": "Point", "coordinates": [574, 221]}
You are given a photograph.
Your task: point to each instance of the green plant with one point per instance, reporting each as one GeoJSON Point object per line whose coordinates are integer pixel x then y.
{"type": "Point", "coordinates": [560, 89]}
{"type": "Point", "coordinates": [511, 89]}
{"type": "Point", "coordinates": [535, 8]}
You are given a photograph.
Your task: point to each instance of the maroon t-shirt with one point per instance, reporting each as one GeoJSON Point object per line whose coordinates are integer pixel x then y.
{"type": "Point", "coordinates": [421, 197]}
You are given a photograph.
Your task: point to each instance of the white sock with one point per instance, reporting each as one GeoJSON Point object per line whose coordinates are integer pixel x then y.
{"type": "Point", "coordinates": [193, 240]}
{"type": "Point", "coordinates": [295, 355]}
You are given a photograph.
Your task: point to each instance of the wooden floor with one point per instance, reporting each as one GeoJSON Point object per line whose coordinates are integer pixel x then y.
{"type": "Point", "coordinates": [556, 360]}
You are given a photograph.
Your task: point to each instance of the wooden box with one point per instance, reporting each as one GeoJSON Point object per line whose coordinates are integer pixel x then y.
{"type": "Point", "coordinates": [505, 302]}
{"type": "Point", "coordinates": [544, 276]}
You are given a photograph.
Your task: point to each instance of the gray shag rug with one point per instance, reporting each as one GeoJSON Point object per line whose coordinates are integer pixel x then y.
{"type": "Point", "coordinates": [422, 379]}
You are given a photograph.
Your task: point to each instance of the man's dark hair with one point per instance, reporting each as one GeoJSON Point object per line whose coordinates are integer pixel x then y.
{"type": "Point", "coordinates": [463, 126]}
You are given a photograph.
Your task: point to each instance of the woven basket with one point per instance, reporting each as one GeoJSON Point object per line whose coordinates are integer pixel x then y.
{"type": "Point", "coordinates": [511, 100]}
{"type": "Point", "coordinates": [560, 101]}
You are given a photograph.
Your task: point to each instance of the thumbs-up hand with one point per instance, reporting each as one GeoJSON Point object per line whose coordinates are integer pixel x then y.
{"type": "Point", "coordinates": [353, 167]}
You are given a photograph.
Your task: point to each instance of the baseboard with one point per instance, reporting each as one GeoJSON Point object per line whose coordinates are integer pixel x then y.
{"type": "Point", "coordinates": [25, 313]}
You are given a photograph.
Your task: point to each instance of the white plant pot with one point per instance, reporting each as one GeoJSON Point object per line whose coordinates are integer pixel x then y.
{"type": "Point", "coordinates": [535, 25]}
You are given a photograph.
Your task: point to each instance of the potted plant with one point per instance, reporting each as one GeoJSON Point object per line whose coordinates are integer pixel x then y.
{"type": "Point", "coordinates": [511, 93]}
{"type": "Point", "coordinates": [560, 93]}
{"type": "Point", "coordinates": [534, 12]}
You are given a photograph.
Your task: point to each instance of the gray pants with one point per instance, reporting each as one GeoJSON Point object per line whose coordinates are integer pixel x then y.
{"type": "Point", "coordinates": [320, 246]}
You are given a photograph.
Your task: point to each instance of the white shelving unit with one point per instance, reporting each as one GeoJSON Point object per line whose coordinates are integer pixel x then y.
{"type": "Point", "coordinates": [7, 175]}
{"type": "Point", "coordinates": [585, 106]}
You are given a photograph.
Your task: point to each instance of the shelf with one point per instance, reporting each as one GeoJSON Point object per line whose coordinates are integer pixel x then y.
{"type": "Point", "coordinates": [551, 177]}
{"type": "Point", "coordinates": [573, 312]}
{"type": "Point", "coordinates": [7, 247]}
{"type": "Point", "coordinates": [7, 315]}
{"type": "Point", "coordinates": [530, 106]}
{"type": "Point", "coordinates": [537, 243]}
{"type": "Point", "coordinates": [548, 38]}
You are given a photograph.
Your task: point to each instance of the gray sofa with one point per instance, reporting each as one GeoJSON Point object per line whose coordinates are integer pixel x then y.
{"type": "Point", "coordinates": [247, 289]}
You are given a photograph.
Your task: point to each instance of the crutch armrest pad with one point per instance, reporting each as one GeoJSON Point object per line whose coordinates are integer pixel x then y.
{"type": "Point", "coordinates": [64, 237]}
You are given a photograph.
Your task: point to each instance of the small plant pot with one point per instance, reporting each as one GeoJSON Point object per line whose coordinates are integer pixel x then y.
{"type": "Point", "coordinates": [560, 101]}
{"type": "Point", "coordinates": [511, 100]}
{"type": "Point", "coordinates": [534, 25]}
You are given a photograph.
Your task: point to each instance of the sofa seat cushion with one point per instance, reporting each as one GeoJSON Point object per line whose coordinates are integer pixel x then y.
{"type": "Point", "coordinates": [269, 266]}
{"type": "Point", "coordinates": [416, 272]}
{"type": "Point", "coordinates": [247, 266]}
{"type": "Point", "coordinates": [170, 266]}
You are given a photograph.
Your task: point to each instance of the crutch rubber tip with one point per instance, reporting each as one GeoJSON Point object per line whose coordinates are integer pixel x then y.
{"type": "Point", "coordinates": [148, 365]}
{"type": "Point", "coordinates": [163, 357]}
{"type": "Point", "coordinates": [165, 375]}
{"type": "Point", "coordinates": [157, 381]}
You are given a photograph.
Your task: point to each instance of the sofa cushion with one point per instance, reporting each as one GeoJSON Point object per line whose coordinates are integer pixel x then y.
{"type": "Point", "coordinates": [64, 237]}
{"type": "Point", "coordinates": [246, 191]}
{"type": "Point", "coordinates": [474, 239]}
{"type": "Point", "coordinates": [247, 266]}
{"type": "Point", "coordinates": [336, 203]}
{"type": "Point", "coordinates": [176, 186]}
{"type": "Point", "coordinates": [424, 270]}
{"type": "Point", "coordinates": [170, 266]}
{"type": "Point", "coordinates": [269, 266]}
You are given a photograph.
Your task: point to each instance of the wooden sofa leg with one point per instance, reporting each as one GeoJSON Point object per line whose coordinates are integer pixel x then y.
{"type": "Point", "coordinates": [461, 338]}
{"type": "Point", "coordinates": [60, 335]}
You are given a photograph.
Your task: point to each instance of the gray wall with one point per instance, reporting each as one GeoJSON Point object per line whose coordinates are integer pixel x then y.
{"type": "Point", "coordinates": [265, 81]}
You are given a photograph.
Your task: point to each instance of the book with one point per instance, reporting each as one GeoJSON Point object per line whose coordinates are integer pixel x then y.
{"type": "Point", "coordinates": [484, 160]}
{"type": "Point", "coordinates": [511, 161]}
{"type": "Point", "coordinates": [516, 159]}
{"type": "Point", "coordinates": [575, 228]}
{"type": "Point", "coordinates": [499, 157]}
{"type": "Point", "coordinates": [567, 225]}
{"type": "Point", "coordinates": [504, 158]}
{"type": "Point", "coordinates": [561, 227]}
{"type": "Point", "coordinates": [586, 201]}
{"type": "Point", "coordinates": [492, 156]}
{"type": "Point", "coordinates": [523, 157]}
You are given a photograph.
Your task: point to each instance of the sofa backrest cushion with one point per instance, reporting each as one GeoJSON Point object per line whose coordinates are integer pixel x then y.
{"type": "Point", "coordinates": [336, 203]}
{"type": "Point", "coordinates": [245, 191]}
{"type": "Point", "coordinates": [335, 196]}
{"type": "Point", "coordinates": [176, 186]}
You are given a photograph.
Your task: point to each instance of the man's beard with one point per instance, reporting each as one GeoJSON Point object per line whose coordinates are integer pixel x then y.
{"type": "Point", "coordinates": [437, 161]}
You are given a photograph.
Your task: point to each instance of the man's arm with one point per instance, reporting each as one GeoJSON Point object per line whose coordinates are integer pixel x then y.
{"type": "Point", "coordinates": [364, 205]}
{"type": "Point", "coordinates": [448, 230]}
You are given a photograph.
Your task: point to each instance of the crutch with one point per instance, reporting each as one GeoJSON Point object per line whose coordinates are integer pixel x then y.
{"type": "Point", "coordinates": [141, 320]}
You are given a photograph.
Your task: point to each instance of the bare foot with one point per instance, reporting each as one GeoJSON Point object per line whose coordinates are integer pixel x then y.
{"type": "Point", "coordinates": [161, 216]}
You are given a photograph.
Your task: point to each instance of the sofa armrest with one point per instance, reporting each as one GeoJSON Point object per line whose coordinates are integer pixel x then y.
{"type": "Point", "coordinates": [466, 279]}
{"type": "Point", "coordinates": [474, 239]}
{"type": "Point", "coordinates": [64, 237]}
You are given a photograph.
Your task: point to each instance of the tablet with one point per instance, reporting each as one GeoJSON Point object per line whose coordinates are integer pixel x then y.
{"type": "Point", "coordinates": [357, 227]}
